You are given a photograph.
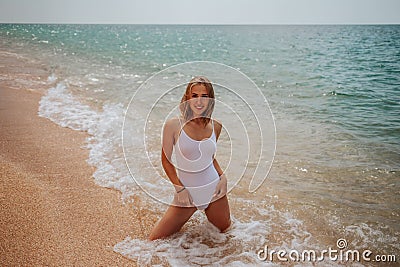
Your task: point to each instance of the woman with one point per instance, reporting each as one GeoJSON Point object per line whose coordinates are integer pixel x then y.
{"type": "Point", "coordinates": [197, 177]}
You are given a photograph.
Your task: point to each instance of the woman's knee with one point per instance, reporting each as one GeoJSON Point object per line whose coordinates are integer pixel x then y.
{"type": "Point", "coordinates": [219, 215]}
{"type": "Point", "coordinates": [225, 225]}
{"type": "Point", "coordinates": [172, 221]}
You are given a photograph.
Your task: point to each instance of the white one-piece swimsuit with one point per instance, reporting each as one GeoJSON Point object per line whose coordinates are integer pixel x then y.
{"type": "Point", "coordinates": [195, 168]}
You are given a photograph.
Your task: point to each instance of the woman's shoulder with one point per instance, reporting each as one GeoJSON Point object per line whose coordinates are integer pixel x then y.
{"type": "Point", "coordinates": [217, 123]}
{"type": "Point", "coordinates": [172, 123]}
{"type": "Point", "coordinates": [217, 126]}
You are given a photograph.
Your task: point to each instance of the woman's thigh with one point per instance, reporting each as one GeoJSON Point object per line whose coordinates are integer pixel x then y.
{"type": "Point", "coordinates": [218, 213]}
{"type": "Point", "coordinates": [172, 221]}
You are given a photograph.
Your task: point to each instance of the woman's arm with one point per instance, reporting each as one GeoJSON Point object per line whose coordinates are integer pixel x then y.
{"type": "Point", "coordinates": [166, 151]}
{"type": "Point", "coordinates": [218, 128]}
{"type": "Point", "coordinates": [182, 196]}
{"type": "Point", "coordinates": [222, 186]}
{"type": "Point", "coordinates": [169, 169]}
{"type": "Point", "coordinates": [217, 167]}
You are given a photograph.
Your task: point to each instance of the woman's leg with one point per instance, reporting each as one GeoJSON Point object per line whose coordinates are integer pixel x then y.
{"type": "Point", "coordinates": [218, 213]}
{"type": "Point", "coordinates": [172, 221]}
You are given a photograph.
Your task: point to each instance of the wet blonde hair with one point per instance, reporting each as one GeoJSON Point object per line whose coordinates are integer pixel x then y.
{"type": "Point", "coordinates": [186, 111]}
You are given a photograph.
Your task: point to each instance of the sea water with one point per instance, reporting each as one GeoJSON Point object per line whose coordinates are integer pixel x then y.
{"type": "Point", "coordinates": [333, 92]}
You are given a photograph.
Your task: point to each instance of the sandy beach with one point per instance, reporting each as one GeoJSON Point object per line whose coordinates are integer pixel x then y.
{"type": "Point", "coordinates": [51, 212]}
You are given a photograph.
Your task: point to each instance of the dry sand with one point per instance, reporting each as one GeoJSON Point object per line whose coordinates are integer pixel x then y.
{"type": "Point", "coordinates": [51, 211]}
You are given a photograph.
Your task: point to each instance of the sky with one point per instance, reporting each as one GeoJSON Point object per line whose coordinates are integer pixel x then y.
{"type": "Point", "coordinates": [201, 11]}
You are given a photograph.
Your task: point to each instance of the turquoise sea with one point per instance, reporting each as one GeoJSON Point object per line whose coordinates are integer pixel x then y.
{"type": "Point", "coordinates": [333, 94]}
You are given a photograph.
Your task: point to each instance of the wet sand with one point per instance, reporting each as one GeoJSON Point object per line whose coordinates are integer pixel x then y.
{"type": "Point", "coordinates": [51, 211]}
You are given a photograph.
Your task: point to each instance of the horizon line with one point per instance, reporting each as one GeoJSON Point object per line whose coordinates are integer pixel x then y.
{"type": "Point", "coordinates": [212, 24]}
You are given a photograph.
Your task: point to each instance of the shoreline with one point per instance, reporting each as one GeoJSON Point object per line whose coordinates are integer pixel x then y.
{"type": "Point", "coordinates": [52, 212]}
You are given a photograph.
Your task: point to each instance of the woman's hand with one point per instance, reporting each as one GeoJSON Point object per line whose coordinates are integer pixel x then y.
{"type": "Point", "coordinates": [182, 197]}
{"type": "Point", "coordinates": [222, 187]}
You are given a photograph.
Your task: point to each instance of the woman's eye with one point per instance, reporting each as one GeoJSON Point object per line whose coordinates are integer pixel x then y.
{"type": "Point", "coordinates": [196, 95]}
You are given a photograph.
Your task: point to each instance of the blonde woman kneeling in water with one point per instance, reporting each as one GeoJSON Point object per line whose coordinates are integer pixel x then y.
{"type": "Point", "coordinates": [197, 177]}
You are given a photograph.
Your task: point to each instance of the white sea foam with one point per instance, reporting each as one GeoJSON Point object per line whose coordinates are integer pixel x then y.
{"type": "Point", "coordinates": [104, 127]}
{"type": "Point", "coordinates": [52, 78]}
{"type": "Point", "coordinates": [367, 236]}
{"type": "Point", "coordinates": [362, 236]}
{"type": "Point", "coordinates": [61, 107]}
{"type": "Point", "coordinates": [200, 244]}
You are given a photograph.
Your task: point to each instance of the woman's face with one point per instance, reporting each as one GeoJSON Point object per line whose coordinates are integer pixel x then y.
{"type": "Point", "coordinates": [198, 99]}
